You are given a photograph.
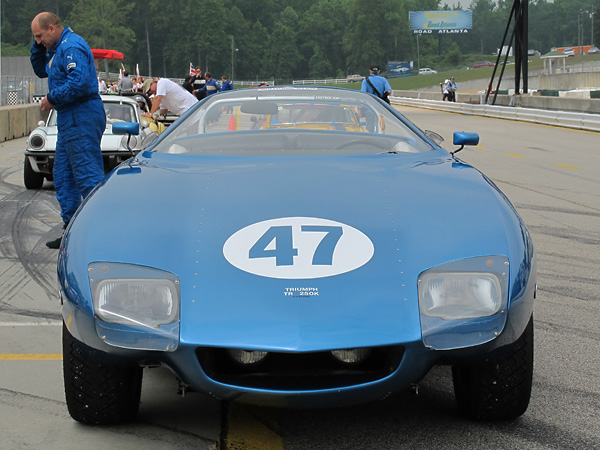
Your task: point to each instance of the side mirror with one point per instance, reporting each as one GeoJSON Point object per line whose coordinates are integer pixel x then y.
{"type": "Point", "coordinates": [123, 128]}
{"type": "Point", "coordinates": [126, 128]}
{"type": "Point", "coordinates": [463, 138]}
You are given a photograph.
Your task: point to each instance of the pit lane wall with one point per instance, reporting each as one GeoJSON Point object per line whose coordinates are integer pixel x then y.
{"type": "Point", "coordinates": [19, 120]}
{"type": "Point", "coordinates": [576, 113]}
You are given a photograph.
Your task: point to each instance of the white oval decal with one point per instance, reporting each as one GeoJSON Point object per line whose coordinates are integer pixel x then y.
{"type": "Point", "coordinates": [298, 248]}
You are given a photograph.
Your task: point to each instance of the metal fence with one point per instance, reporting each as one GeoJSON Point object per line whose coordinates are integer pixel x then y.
{"type": "Point", "coordinates": [16, 90]}
{"type": "Point", "coordinates": [321, 82]}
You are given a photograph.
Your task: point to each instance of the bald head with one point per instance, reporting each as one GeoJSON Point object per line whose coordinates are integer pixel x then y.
{"type": "Point", "coordinates": [47, 29]}
{"type": "Point", "coordinates": [47, 18]}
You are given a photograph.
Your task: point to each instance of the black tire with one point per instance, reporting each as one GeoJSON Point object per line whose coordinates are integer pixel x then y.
{"type": "Point", "coordinates": [96, 393]}
{"type": "Point", "coordinates": [33, 180]}
{"type": "Point", "coordinates": [500, 388]}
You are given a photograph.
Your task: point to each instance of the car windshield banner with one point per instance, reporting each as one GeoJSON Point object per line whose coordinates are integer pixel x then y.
{"type": "Point", "coordinates": [426, 22]}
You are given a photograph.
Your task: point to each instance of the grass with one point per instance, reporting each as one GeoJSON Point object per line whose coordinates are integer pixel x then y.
{"type": "Point", "coordinates": [423, 81]}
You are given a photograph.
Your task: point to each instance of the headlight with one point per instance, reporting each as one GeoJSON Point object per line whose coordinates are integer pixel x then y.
{"type": "Point", "coordinates": [136, 301]}
{"type": "Point", "coordinates": [37, 142]}
{"type": "Point", "coordinates": [453, 296]}
{"type": "Point", "coordinates": [137, 306]}
{"type": "Point", "coordinates": [463, 303]}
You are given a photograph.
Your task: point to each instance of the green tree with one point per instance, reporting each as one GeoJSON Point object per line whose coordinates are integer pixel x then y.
{"type": "Point", "coordinates": [98, 24]}
{"type": "Point", "coordinates": [253, 54]}
{"type": "Point", "coordinates": [323, 26]}
{"type": "Point", "coordinates": [282, 55]}
{"type": "Point", "coordinates": [319, 66]}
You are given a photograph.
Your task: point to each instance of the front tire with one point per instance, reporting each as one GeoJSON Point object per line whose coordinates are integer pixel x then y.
{"type": "Point", "coordinates": [33, 179]}
{"type": "Point", "coordinates": [499, 388]}
{"type": "Point", "coordinates": [96, 393]}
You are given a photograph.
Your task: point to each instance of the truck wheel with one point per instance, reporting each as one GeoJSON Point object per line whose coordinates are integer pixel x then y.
{"type": "Point", "coordinates": [499, 388]}
{"type": "Point", "coordinates": [98, 394]}
{"type": "Point", "coordinates": [33, 180]}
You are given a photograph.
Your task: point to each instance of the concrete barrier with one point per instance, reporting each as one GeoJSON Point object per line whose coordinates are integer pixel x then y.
{"type": "Point", "coordinates": [4, 124]}
{"type": "Point", "coordinates": [567, 119]}
{"type": "Point", "coordinates": [18, 121]}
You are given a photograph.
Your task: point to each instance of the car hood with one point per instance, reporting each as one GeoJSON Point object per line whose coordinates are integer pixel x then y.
{"type": "Point", "coordinates": [177, 212]}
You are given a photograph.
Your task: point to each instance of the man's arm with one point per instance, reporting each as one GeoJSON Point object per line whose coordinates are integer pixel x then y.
{"type": "Point", "coordinates": [363, 86]}
{"type": "Point", "coordinates": [156, 101]}
{"type": "Point", "coordinates": [38, 60]}
{"type": "Point", "coordinates": [387, 87]}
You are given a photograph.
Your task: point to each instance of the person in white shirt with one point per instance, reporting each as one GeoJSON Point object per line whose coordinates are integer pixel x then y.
{"type": "Point", "coordinates": [169, 96]}
{"type": "Point", "coordinates": [101, 85]}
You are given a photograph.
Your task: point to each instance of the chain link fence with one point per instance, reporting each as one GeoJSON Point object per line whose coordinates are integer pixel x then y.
{"type": "Point", "coordinates": [15, 90]}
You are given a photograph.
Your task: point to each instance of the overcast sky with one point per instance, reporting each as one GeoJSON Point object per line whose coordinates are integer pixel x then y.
{"type": "Point", "coordinates": [452, 3]}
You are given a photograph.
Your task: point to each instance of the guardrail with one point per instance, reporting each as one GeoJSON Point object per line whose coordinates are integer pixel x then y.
{"type": "Point", "coordinates": [567, 119]}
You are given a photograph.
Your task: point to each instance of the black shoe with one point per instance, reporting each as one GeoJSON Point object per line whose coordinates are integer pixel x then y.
{"type": "Point", "coordinates": [55, 243]}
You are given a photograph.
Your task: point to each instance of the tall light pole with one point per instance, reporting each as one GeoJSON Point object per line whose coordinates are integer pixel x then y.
{"type": "Point", "coordinates": [579, 33]}
{"type": "Point", "coordinates": [592, 17]}
{"type": "Point", "coordinates": [418, 54]}
{"type": "Point", "coordinates": [233, 50]}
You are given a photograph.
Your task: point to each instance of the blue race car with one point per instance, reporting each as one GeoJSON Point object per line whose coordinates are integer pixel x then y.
{"type": "Point", "coordinates": [297, 246]}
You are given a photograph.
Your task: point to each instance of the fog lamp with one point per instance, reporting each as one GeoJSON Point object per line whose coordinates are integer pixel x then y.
{"type": "Point", "coordinates": [247, 357]}
{"type": "Point", "coordinates": [351, 355]}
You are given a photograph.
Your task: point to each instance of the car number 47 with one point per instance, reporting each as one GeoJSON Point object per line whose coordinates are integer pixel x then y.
{"type": "Point", "coordinates": [284, 250]}
{"type": "Point", "coordinates": [298, 248]}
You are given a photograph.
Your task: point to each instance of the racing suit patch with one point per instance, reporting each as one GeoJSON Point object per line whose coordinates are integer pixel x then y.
{"type": "Point", "coordinates": [71, 66]}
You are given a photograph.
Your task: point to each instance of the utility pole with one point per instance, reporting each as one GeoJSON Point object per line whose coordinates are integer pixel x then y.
{"type": "Point", "coordinates": [0, 53]}
{"type": "Point", "coordinates": [592, 17]}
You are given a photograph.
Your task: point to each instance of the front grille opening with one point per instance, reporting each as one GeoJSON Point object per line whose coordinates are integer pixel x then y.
{"type": "Point", "coordinates": [299, 371]}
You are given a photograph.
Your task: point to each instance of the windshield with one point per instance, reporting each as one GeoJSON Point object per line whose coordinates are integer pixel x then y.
{"type": "Point", "coordinates": [115, 112]}
{"type": "Point", "coordinates": [269, 121]}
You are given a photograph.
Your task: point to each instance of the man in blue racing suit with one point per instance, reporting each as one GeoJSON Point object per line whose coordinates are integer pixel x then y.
{"type": "Point", "coordinates": [66, 59]}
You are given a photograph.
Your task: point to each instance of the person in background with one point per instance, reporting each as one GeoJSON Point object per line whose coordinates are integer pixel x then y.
{"type": "Point", "coordinates": [187, 83]}
{"type": "Point", "coordinates": [199, 82]}
{"type": "Point", "coordinates": [139, 85]}
{"type": "Point", "coordinates": [226, 85]}
{"type": "Point", "coordinates": [445, 93]}
{"type": "Point", "coordinates": [451, 88]}
{"type": "Point", "coordinates": [211, 87]}
{"type": "Point", "coordinates": [101, 85]}
{"type": "Point", "coordinates": [169, 96]}
{"type": "Point", "coordinates": [376, 85]}
{"type": "Point", "coordinates": [125, 84]}
{"type": "Point", "coordinates": [63, 57]}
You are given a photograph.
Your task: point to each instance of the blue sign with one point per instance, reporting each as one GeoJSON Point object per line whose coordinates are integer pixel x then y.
{"type": "Point", "coordinates": [441, 21]}
{"type": "Point", "coordinates": [397, 69]}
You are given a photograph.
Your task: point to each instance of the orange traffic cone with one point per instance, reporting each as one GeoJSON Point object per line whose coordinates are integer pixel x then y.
{"type": "Point", "coordinates": [232, 123]}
